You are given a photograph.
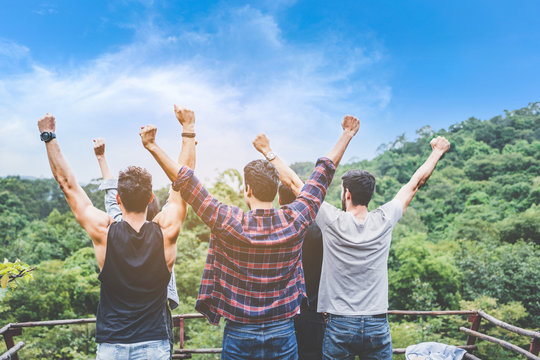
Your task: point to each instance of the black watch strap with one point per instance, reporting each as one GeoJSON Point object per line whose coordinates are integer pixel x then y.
{"type": "Point", "coordinates": [47, 136]}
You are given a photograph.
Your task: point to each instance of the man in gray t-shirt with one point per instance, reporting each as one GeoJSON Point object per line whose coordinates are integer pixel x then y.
{"type": "Point", "coordinates": [353, 290]}
{"type": "Point", "coordinates": [354, 277]}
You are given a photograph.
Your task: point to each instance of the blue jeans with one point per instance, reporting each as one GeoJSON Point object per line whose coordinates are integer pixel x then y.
{"type": "Point", "coordinates": [274, 340]}
{"type": "Point", "coordinates": [309, 327]}
{"type": "Point", "coordinates": [158, 350]}
{"type": "Point", "coordinates": [365, 336]}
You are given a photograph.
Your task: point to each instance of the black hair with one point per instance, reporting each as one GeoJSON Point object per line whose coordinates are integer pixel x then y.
{"type": "Point", "coordinates": [361, 185]}
{"type": "Point", "coordinates": [153, 209]}
{"type": "Point", "coordinates": [286, 195]}
{"type": "Point", "coordinates": [263, 178]}
{"type": "Point", "coordinates": [135, 188]}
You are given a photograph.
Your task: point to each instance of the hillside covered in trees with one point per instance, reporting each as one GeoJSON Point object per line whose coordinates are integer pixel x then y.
{"type": "Point", "coordinates": [469, 240]}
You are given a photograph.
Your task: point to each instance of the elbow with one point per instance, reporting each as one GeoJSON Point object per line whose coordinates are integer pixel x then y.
{"type": "Point", "coordinates": [64, 184]}
{"type": "Point", "coordinates": [297, 184]}
{"type": "Point", "coordinates": [421, 183]}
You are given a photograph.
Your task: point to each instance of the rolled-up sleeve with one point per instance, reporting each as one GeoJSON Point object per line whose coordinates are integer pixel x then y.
{"type": "Point", "coordinates": [309, 200]}
{"type": "Point", "coordinates": [212, 212]}
{"type": "Point", "coordinates": [111, 205]}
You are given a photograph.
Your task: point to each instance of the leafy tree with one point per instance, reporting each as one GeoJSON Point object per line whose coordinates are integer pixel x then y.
{"type": "Point", "coordinates": [507, 273]}
{"type": "Point", "coordinates": [11, 271]}
{"type": "Point", "coordinates": [471, 233]}
{"type": "Point", "coordinates": [421, 278]}
{"type": "Point", "coordinates": [521, 226]}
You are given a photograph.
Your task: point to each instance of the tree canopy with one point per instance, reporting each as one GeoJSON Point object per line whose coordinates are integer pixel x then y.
{"type": "Point", "coordinates": [470, 239]}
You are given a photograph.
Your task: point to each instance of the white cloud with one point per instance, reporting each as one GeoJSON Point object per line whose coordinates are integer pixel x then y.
{"type": "Point", "coordinates": [239, 75]}
{"type": "Point", "coordinates": [11, 50]}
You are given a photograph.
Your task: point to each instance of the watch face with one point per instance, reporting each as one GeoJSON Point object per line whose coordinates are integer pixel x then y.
{"type": "Point", "coordinates": [270, 156]}
{"type": "Point", "coordinates": [47, 136]}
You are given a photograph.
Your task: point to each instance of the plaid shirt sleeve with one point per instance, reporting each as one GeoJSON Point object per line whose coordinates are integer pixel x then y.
{"type": "Point", "coordinates": [309, 200]}
{"type": "Point", "coordinates": [211, 211]}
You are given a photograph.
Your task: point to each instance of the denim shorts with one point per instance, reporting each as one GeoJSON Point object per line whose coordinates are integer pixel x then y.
{"type": "Point", "coordinates": [365, 336]}
{"type": "Point", "coordinates": [146, 350]}
{"type": "Point", "coordinates": [274, 340]}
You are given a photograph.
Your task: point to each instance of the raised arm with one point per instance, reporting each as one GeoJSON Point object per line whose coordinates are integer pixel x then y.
{"type": "Point", "coordinates": [148, 137]}
{"type": "Point", "coordinates": [186, 118]}
{"type": "Point", "coordinates": [93, 220]}
{"type": "Point", "coordinates": [173, 215]}
{"type": "Point", "coordinates": [287, 176]}
{"type": "Point", "coordinates": [350, 126]}
{"type": "Point", "coordinates": [439, 146]}
{"type": "Point", "coordinates": [109, 183]}
{"type": "Point", "coordinates": [181, 174]}
{"type": "Point", "coordinates": [99, 150]}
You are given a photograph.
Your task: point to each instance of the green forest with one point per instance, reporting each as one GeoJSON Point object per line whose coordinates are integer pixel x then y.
{"type": "Point", "coordinates": [469, 240]}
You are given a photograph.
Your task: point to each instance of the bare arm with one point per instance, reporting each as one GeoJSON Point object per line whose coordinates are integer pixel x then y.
{"type": "Point", "coordinates": [172, 217]}
{"type": "Point", "coordinates": [168, 165]}
{"type": "Point", "coordinates": [99, 150]}
{"type": "Point", "coordinates": [93, 220]}
{"type": "Point", "coordinates": [350, 126]}
{"type": "Point", "coordinates": [439, 146]}
{"type": "Point", "coordinates": [287, 176]}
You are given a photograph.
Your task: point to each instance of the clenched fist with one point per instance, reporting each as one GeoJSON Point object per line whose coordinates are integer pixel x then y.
{"type": "Point", "coordinates": [440, 144]}
{"type": "Point", "coordinates": [148, 135]}
{"type": "Point", "coordinates": [47, 123]}
{"type": "Point", "coordinates": [99, 147]}
{"type": "Point", "coordinates": [186, 117]}
{"type": "Point", "coordinates": [262, 144]}
{"type": "Point", "coordinates": [351, 124]}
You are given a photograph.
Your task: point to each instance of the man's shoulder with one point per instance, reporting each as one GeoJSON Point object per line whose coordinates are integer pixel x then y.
{"type": "Point", "coordinates": [329, 208]}
{"type": "Point", "coordinates": [391, 210]}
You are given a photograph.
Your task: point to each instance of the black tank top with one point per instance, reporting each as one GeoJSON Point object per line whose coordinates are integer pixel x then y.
{"type": "Point", "coordinates": [134, 278]}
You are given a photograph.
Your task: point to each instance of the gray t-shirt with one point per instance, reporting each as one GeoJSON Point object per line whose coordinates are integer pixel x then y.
{"type": "Point", "coordinates": [354, 278]}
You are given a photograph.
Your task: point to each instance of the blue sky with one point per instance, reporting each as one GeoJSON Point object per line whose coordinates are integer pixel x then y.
{"type": "Point", "coordinates": [291, 69]}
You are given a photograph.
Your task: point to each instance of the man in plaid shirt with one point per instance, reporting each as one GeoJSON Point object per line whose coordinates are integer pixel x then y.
{"type": "Point", "coordinates": [253, 274]}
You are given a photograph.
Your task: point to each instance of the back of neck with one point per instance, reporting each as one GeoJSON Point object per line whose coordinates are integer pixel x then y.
{"type": "Point", "coordinates": [135, 220]}
{"type": "Point", "coordinates": [359, 211]}
{"type": "Point", "coordinates": [256, 204]}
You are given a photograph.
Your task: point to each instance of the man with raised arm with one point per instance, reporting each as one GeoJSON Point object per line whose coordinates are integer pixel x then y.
{"type": "Point", "coordinates": [253, 276]}
{"type": "Point", "coordinates": [110, 185]}
{"type": "Point", "coordinates": [135, 256]}
{"type": "Point", "coordinates": [353, 290]}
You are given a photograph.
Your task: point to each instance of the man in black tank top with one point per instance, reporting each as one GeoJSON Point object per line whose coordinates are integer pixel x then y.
{"type": "Point", "coordinates": [135, 256]}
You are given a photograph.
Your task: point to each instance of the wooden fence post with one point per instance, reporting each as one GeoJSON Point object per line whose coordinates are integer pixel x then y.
{"type": "Point", "coordinates": [181, 345]}
{"type": "Point", "coordinates": [475, 320]}
{"type": "Point", "coordinates": [8, 338]}
{"type": "Point", "coordinates": [535, 346]}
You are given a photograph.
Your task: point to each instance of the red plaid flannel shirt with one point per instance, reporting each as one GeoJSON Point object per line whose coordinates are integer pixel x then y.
{"type": "Point", "coordinates": [253, 272]}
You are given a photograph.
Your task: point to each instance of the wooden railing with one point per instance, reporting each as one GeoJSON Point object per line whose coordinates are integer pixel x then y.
{"type": "Point", "coordinates": [474, 317]}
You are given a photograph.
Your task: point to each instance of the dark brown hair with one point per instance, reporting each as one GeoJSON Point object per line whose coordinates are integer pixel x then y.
{"type": "Point", "coordinates": [286, 195]}
{"type": "Point", "coordinates": [361, 185]}
{"type": "Point", "coordinates": [135, 188]}
{"type": "Point", "coordinates": [153, 209]}
{"type": "Point", "coordinates": [263, 178]}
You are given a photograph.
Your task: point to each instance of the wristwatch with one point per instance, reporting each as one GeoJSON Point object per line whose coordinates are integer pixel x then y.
{"type": "Point", "coordinates": [47, 136]}
{"type": "Point", "coordinates": [270, 156]}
